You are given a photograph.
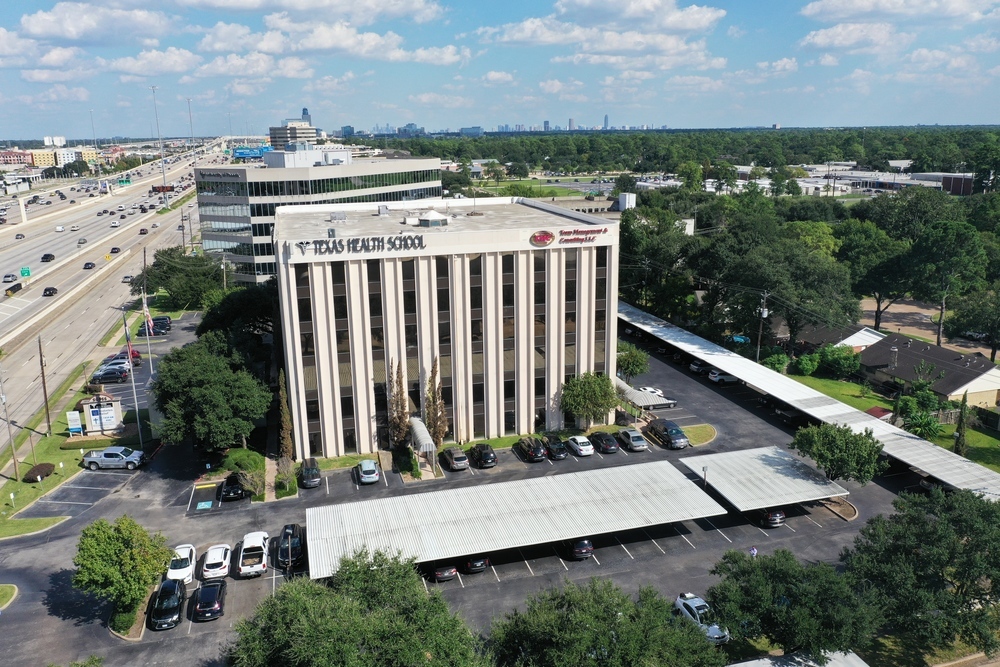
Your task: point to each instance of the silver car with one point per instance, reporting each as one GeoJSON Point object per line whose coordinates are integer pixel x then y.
{"type": "Point", "coordinates": [580, 445]}
{"type": "Point", "coordinates": [632, 440]}
{"type": "Point", "coordinates": [457, 460]}
{"type": "Point", "coordinates": [368, 471]}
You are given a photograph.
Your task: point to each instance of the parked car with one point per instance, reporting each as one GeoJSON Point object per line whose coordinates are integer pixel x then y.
{"type": "Point", "coordinates": [216, 562]}
{"type": "Point", "coordinates": [109, 375]}
{"type": "Point", "coordinates": [604, 443]}
{"type": "Point", "coordinates": [441, 572]}
{"type": "Point", "coordinates": [579, 549]}
{"type": "Point", "coordinates": [791, 416]}
{"type": "Point", "coordinates": [114, 457]}
{"type": "Point", "coordinates": [88, 265]}
{"type": "Point", "coordinates": [182, 564]}
{"type": "Point", "coordinates": [158, 330]}
{"type": "Point", "coordinates": [722, 377]}
{"type": "Point", "coordinates": [700, 367]}
{"type": "Point", "coordinates": [483, 455]}
{"type": "Point", "coordinates": [555, 447]}
{"type": "Point", "coordinates": [50, 291]}
{"type": "Point", "coordinates": [770, 518]}
{"type": "Point", "coordinates": [309, 476]}
{"type": "Point", "coordinates": [456, 458]}
{"type": "Point", "coordinates": [232, 488]}
{"type": "Point", "coordinates": [210, 601]}
{"type": "Point", "coordinates": [531, 449]}
{"type": "Point", "coordinates": [163, 321]}
{"type": "Point", "coordinates": [291, 546]}
{"type": "Point", "coordinates": [652, 390]}
{"type": "Point", "coordinates": [696, 610]}
{"type": "Point", "coordinates": [632, 440]}
{"type": "Point", "coordinates": [474, 564]}
{"type": "Point", "coordinates": [580, 445]}
{"type": "Point", "coordinates": [367, 471]}
{"type": "Point", "coordinates": [253, 554]}
{"type": "Point", "coordinates": [668, 433]}
{"type": "Point", "coordinates": [167, 605]}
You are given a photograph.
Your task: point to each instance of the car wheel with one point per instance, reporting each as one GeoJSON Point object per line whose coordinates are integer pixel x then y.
{"type": "Point", "coordinates": [121, 380]}
{"type": "Point", "coordinates": [93, 465]}
{"type": "Point", "coordinates": [130, 465]}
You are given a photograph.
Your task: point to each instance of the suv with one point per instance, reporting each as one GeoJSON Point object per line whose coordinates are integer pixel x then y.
{"type": "Point", "coordinates": [579, 549]}
{"type": "Point", "coordinates": [167, 605]}
{"type": "Point", "coordinates": [483, 455]}
{"type": "Point", "coordinates": [668, 433]}
{"type": "Point", "coordinates": [291, 546]}
{"type": "Point", "coordinates": [721, 377]}
{"type": "Point", "coordinates": [699, 367]}
{"type": "Point", "coordinates": [531, 449]}
{"type": "Point", "coordinates": [116, 374]}
{"type": "Point", "coordinates": [632, 440]}
{"type": "Point", "coordinates": [309, 475]}
{"type": "Point", "coordinates": [696, 610]}
{"type": "Point", "coordinates": [456, 458]}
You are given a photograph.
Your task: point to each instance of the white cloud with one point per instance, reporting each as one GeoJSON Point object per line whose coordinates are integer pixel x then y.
{"type": "Point", "coordinates": [629, 75]}
{"type": "Point", "coordinates": [57, 93]}
{"type": "Point", "coordinates": [12, 44]}
{"type": "Point", "coordinates": [255, 64]}
{"type": "Point", "coordinates": [840, 10]}
{"type": "Point", "coordinates": [695, 84]}
{"type": "Point", "coordinates": [439, 100]}
{"type": "Point", "coordinates": [358, 11]}
{"type": "Point", "coordinates": [247, 88]}
{"type": "Point", "coordinates": [861, 80]}
{"type": "Point", "coordinates": [54, 75]}
{"type": "Point", "coordinates": [553, 86]}
{"type": "Point", "coordinates": [59, 56]}
{"type": "Point", "coordinates": [153, 63]}
{"type": "Point", "coordinates": [930, 59]}
{"type": "Point", "coordinates": [828, 60]}
{"type": "Point", "coordinates": [80, 21]}
{"type": "Point", "coordinates": [495, 77]}
{"type": "Point", "coordinates": [329, 84]}
{"type": "Point", "coordinates": [735, 32]}
{"type": "Point", "coordinates": [233, 37]}
{"type": "Point", "coordinates": [657, 14]}
{"type": "Point", "coordinates": [858, 38]}
{"type": "Point", "coordinates": [984, 43]}
{"type": "Point", "coordinates": [783, 66]}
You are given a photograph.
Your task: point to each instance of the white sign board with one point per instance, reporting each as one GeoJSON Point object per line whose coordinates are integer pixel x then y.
{"type": "Point", "coordinates": [73, 419]}
{"type": "Point", "coordinates": [103, 417]}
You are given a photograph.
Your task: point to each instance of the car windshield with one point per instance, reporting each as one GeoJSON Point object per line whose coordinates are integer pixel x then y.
{"type": "Point", "coordinates": [170, 600]}
{"type": "Point", "coordinates": [676, 432]}
{"type": "Point", "coordinates": [284, 542]}
{"type": "Point", "coordinates": [636, 438]}
{"type": "Point", "coordinates": [312, 471]}
{"type": "Point", "coordinates": [179, 563]}
{"type": "Point", "coordinates": [126, 452]}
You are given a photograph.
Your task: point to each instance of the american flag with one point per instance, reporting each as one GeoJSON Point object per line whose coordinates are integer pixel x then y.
{"type": "Point", "coordinates": [146, 315]}
{"type": "Point", "coordinates": [128, 338]}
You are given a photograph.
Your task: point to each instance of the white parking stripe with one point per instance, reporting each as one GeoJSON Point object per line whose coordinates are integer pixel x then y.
{"type": "Point", "coordinates": [460, 579]}
{"type": "Point", "coordinates": [495, 573]}
{"type": "Point", "coordinates": [654, 542]}
{"type": "Point", "coordinates": [96, 488]}
{"type": "Point", "coordinates": [526, 563]}
{"type": "Point", "coordinates": [327, 485]}
{"type": "Point", "coordinates": [623, 547]}
{"type": "Point", "coordinates": [62, 502]}
{"type": "Point", "coordinates": [684, 538]}
{"type": "Point", "coordinates": [563, 563]}
{"type": "Point", "coordinates": [595, 560]}
{"type": "Point", "coordinates": [717, 530]}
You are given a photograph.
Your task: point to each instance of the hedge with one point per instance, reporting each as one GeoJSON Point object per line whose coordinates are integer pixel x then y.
{"type": "Point", "coordinates": [42, 470]}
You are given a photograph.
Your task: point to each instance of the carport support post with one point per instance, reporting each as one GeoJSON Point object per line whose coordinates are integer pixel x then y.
{"type": "Point", "coordinates": [704, 473]}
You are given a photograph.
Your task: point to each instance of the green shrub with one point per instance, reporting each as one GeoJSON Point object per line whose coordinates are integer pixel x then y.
{"type": "Point", "coordinates": [840, 361]}
{"type": "Point", "coordinates": [776, 362]}
{"type": "Point", "coordinates": [242, 460]}
{"type": "Point", "coordinates": [42, 470]}
{"type": "Point", "coordinates": [806, 364]}
{"type": "Point", "coordinates": [122, 621]}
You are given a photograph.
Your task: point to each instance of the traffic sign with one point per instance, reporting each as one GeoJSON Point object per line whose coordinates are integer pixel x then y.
{"type": "Point", "coordinates": [25, 271]}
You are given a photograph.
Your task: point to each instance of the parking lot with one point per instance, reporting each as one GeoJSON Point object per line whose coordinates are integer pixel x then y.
{"type": "Point", "coordinates": [78, 494]}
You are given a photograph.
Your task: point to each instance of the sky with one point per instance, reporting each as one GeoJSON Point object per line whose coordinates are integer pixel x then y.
{"type": "Point", "coordinates": [446, 64]}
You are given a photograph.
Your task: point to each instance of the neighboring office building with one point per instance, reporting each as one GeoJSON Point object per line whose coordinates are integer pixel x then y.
{"type": "Point", "coordinates": [15, 157]}
{"type": "Point", "coordinates": [236, 204]}
{"type": "Point", "coordinates": [511, 302]}
{"type": "Point", "coordinates": [292, 132]}
{"type": "Point", "coordinates": [64, 156]}
{"type": "Point", "coordinates": [43, 158]}
{"type": "Point", "coordinates": [54, 141]}
{"type": "Point", "coordinates": [476, 131]}
{"type": "Point", "coordinates": [87, 154]}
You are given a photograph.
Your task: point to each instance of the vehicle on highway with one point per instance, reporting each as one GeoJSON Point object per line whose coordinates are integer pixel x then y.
{"type": "Point", "coordinates": [143, 231]}
{"type": "Point", "coordinates": [81, 241]}
{"type": "Point", "coordinates": [121, 217]}
{"type": "Point", "coordinates": [216, 562]}
{"type": "Point", "coordinates": [115, 250]}
{"type": "Point", "coordinates": [108, 375]}
{"type": "Point", "coordinates": [180, 228]}
{"type": "Point", "coordinates": [580, 445]}
{"type": "Point", "coordinates": [531, 449]}
{"type": "Point", "coordinates": [632, 440]}
{"type": "Point", "coordinates": [126, 279]}
{"type": "Point", "coordinates": [48, 257]}
{"type": "Point", "coordinates": [210, 601]}
{"type": "Point", "coordinates": [668, 433]}
{"type": "Point", "coordinates": [74, 228]}
{"type": "Point", "coordinates": [604, 443]}
{"type": "Point", "coordinates": [696, 610]}
{"type": "Point", "coordinates": [167, 606]}
{"type": "Point", "coordinates": [456, 458]}
{"type": "Point", "coordinates": [555, 447]}
{"type": "Point", "coordinates": [232, 488]}
{"type": "Point", "coordinates": [18, 237]}
{"type": "Point", "coordinates": [721, 377]}
{"type": "Point", "coordinates": [367, 471]}
{"type": "Point", "coordinates": [253, 554]}
{"type": "Point", "coordinates": [291, 546]}
{"type": "Point", "coordinates": [182, 564]}
{"type": "Point", "coordinates": [309, 474]}
{"type": "Point", "coordinates": [10, 278]}
{"type": "Point", "coordinates": [483, 455]}
{"type": "Point", "coordinates": [60, 228]}
{"type": "Point", "coordinates": [474, 564]}
{"type": "Point", "coordinates": [114, 457]}
{"type": "Point", "coordinates": [579, 549]}
{"type": "Point", "coordinates": [50, 291]}
{"type": "Point", "coordinates": [115, 224]}
{"type": "Point", "coordinates": [88, 265]}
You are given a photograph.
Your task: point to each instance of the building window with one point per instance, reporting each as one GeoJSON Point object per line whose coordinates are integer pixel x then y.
{"type": "Point", "coordinates": [476, 266]}
{"type": "Point", "coordinates": [507, 261]}
{"type": "Point", "coordinates": [602, 256]}
{"type": "Point", "coordinates": [374, 270]}
{"type": "Point", "coordinates": [375, 304]}
{"type": "Point", "coordinates": [339, 273]}
{"type": "Point", "coordinates": [305, 310]}
{"type": "Point", "coordinates": [408, 269]}
{"type": "Point", "coordinates": [508, 296]}
{"type": "Point", "coordinates": [441, 264]}
{"type": "Point", "coordinates": [340, 307]}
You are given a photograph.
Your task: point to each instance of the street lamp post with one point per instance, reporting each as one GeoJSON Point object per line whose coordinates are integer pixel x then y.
{"type": "Point", "coordinates": [190, 121]}
{"type": "Point", "coordinates": [10, 433]}
{"type": "Point", "coordinates": [96, 147]}
{"type": "Point", "coordinates": [163, 165]}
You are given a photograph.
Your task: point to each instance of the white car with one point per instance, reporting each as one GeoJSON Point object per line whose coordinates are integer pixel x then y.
{"type": "Point", "coordinates": [115, 224]}
{"type": "Point", "coordinates": [722, 377]}
{"type": "Point", "coordinates": [580, 445]}
{"type": "Point", "coordinates": [216, 562]}
{"type": "Point", "coordinates": [60, 228]}
{"type": "Point", "coordinates": [182, 564]}
{"type": "Point", "coordinates": [74, 228]}
{"type": "Point", "coordinates": [696, 610]}
{"type": "Point", "coordinates": [652, 390]}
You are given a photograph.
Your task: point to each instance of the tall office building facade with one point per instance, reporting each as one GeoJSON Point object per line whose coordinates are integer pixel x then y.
{"type": "Point", "coordinates": [509, 298]}
{"type": "Point", "coordinates": [236, 204]}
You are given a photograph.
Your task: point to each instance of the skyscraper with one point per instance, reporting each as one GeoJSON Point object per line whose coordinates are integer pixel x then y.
{"type": "Point", "coordinates": [546, 126]}
{"type": "Point", "coordinates": [605, 121]}
{"type": "Point", "coordinates": [572, 124]}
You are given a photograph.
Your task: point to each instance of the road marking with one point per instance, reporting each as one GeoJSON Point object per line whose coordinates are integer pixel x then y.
{"type": "Point", "coordinates": [526, 563]}
{"type": "Point", "coordinates": [460, 579]}
{"type": "Point", "coordinates": [96, 488]}
{"type": "Point", "coordinates": [654, 542]}
{"type": "Point", "coordinates": [550, 462]}
{"type": "Point", "coordinates": [426, 590]}
{"type": "Point", "coordinates": [623, 547]}
{"type": "Point", "coordinates": [717, 530]}
{"type": "Point", "coordinates": [193, 487]}
{"type": "Point", "coordinates": [595, 560]}
{"type": "Point", "coordinates": [495, 572]}
{"type": "Point", "coordinates": [108, 472]}
{"type": "Point", "coordinates": [792, 529]}
{"type": "Point", "coordinates": [623, 451]}
{"type": "Point", "coordinates": [385, 478]}
{"type": "Point", "coordinates": [684, 538]}
{"type": "Point", "coordinates": [562, 562]}
{"type": "Point", "coordinates": [62, 502]}
{"type": "Point", "coordinates": [327, 485]}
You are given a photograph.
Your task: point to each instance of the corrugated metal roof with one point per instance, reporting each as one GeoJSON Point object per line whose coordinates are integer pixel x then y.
{"type": "Point", "coordinates": [942, 464]}
{"type": "Point", "coordinates": [764, 477]}
{"type": "Point", "coordinates": [481, 518]}
{"type": "Point", "coordinates": [641, 399]}
{"type": "Point", "coordinates": [849, 659]}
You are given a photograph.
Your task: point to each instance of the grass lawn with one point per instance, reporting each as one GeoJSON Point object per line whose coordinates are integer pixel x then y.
{"type": "Point", "coordinates": [339, 462]}
{"type": "Point", "coordinates": [845, 392]}
{"type": "Point", "coordinates": [6, 594]}
{"type": "Point", "coordinates": [700, 434]}
{"type": "Point", "coordinates": [984, 446]}
{"type": "Point", "coordinates": [889, 651]}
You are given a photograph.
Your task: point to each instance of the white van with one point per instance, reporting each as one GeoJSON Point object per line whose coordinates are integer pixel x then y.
{"type": "Point", "coordinates": [60, 228]}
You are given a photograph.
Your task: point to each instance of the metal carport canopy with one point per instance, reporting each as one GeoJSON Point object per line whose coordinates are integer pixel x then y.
{"type": "Point", "coordinates": [752, 479]}
{"type": "Point", "coordinates": [486, 517]}
{"type": "Point", "coordinates": [641, 399]}
{"type": "Point", "coordinates": [944, 465]}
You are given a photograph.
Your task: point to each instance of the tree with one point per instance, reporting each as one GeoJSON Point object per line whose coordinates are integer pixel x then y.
{"type": "Point", "coordinates": [91, 661]}
{"type": "Point", "coordinates": [979, 312]}
{"type": "Point", "coordinates": [589, 397]}
{"type": "Point", "coordinates": [690, 174]}
{"type": "Point", "coordinates": [625, 183]}
{"type": "Point", "coordinates": [922, 424]}
{"type": "Point", "coordinates": [399, 407]}
{"type": "Point", "coordinates": [929, 568]}
{"type": "Point", "coordinates": [435, 411]}
{"type": "Point", "coordinates": [185, 278]}
{"type": "Point", "coordinates": [951, 260]}
{"type": "Point", "coordinates": [961, 444]}
{"type": "Point", "coordinates": [839, 361]}
{"type": "Point", "coordinates": [631, 361]}
{"type": "Point", "coordinates": [494, 171]}
{"type": "Point", "coordinates": [119, 561]}
{"type": "Point", "coordinates": [374, 612]}
{"type": "Point", "coordinates": [285, 442]}
{"type": "Point", "coordinates": [250, 308]}
{"type": "Point", "coordinates": [801, 608]}
{"type": "Point", "coordinates": [598, 624]}
{"type": "Point", "coordinates": [840, 452]}
{"type": "Point", "coordinates": [517, 170]}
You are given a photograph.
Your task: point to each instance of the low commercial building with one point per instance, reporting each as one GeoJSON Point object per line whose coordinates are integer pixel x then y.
{"type": "Point", "coordinates": [509, 298]}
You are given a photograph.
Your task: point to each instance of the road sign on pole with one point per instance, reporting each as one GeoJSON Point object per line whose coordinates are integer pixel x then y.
{"type": "Point", "coordinates": [25, 271]}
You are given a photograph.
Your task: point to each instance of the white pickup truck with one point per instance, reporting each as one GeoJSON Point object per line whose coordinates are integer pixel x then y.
{"type": "Point", "coordinates": [253, 555]}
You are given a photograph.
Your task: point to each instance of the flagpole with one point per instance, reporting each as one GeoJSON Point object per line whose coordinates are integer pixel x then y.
{"type": "Point", "coordinates": [149, 331]}
{"type": "Point", "coordinates": [135, 395]}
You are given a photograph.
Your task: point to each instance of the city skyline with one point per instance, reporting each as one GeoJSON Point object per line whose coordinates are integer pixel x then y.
{"type": "Point", "coordinates": [444, 65]}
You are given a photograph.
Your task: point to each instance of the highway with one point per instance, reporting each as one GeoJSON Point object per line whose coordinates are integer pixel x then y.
{"type": "Point", "coordinates": [77, 324]}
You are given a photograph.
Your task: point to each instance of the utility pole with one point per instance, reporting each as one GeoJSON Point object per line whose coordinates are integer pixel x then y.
{"type": "Point", "coordinates": [191, 231]}
{"type": "Point", "coordinates": [163, 157]}
{"type": "Point", "coordinates": [45, 391]}
{"type": "Point", "coordinates": [760, 328]}
{"type": "Point", "coordinates": [10, 434]}
{"type": "Point", "coordinates": [190, 121]}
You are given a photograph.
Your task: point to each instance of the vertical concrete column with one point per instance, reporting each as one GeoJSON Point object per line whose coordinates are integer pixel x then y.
{"type": "Point", "coordinates": [524, 339]}
{"type": "Point", "coordinates": [392, 317]}
{"type": "Point", "coordinates": [361, 356]}
{"type": "Point", "coordinates": [586, 264]}
{"type": "Point", "coordinates": [291, 331]}
{"type": "Point", "coordinates": [611, 348]}
{"type": "Point", "coordinates": [327, 369]}
{"type": "Point", "coordinates": [555, 332]}
{"type": "Point", "coordinates": [493, 343]}
{"type": "Point", "coordinates": [461, 349]}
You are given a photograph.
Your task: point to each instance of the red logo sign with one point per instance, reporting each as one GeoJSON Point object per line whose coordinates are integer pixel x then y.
{"type": "Point", "coordinates": [542, 239]}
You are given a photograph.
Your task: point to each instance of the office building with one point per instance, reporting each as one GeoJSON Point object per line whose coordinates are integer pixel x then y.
{"type": "Point", "coordinates": [236, 204]}
{"type": "Point", "coordinates": [291, 132]}
{"type": "Point", "coordinates": [545, 126]}
{"type": "Point", "coordinates": [510, 297]}
{"type": "Point", "coordinates": [572, 124]}
{"type": "Point", "coordinates": [605, 121]}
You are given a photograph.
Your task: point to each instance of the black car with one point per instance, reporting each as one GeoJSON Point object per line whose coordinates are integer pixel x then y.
{"type": "Point", "coordinates": [50, 291]}
{"type": "Point", "coordinates": [116, 249]}
{"type": "Point", "coordinates": [440, 572]}
{"type": "Point", "coordinates": [483, 455]}
{"type": "Point", "coordinates": [48, 257]}
{"type": "Point", "coordinates": [108, 375]}
{"type": "Point", "coordinates": [668, 433]}
{"type": "Point", "coordinates": [210, 601]}
{"type": "Point", "coordinates": [167, 605]}
{"type": "Point", "coordinates": [579, 549]}
{"type": "Point", "coordinates": [157, 330]}
{"type": "Point", "coordinates": [475, 564]}
{"type": "Point", "coordinates": [291, 546]}
{"type": "Point", "coordinates": [555, 447]}
{"type": "Point", "coordinates": [232, 488]}
{"type": "Point", "coordinates": [163, 320]}
{"type": "Point", "coordinates": [309, 475]}
{"type": "Point", "coordinates": [18, 237]}
{"type": "Point", "coordinates": [88, 265]}
{"type": "Point", "coordinates": [532, 449]}
{"type": "Point", "coordinates": [604, 443]}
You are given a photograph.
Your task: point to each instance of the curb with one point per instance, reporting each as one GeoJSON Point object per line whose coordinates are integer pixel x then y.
{"type": "Point", "coordinates": [845, 518]}
{"type": "Point", "coordinates": [14, 597]}
{"type": "Point", "coordinates": [142, 629]}
{"type": "Point", "coordinates": [62, 520]}
{"type": "Point", "coordinates": [16, 512]}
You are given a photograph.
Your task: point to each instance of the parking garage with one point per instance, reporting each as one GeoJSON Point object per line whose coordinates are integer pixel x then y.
{"type": "Point", "coordinates": [493, 517]}
{"type": "Point", "coordinates": [923, 456]}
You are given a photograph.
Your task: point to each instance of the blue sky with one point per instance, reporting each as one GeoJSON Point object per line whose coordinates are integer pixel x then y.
{"type": "Point", "coordinates": [451, 63]}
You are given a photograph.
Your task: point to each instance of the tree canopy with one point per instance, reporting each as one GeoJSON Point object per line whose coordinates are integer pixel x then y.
{"type": "Point", "coordinates": [631, 361]}
{"type": "Point", "coordinates": [840, 452]}
{"type": "Point", "coordinates": [185, 278]}
{"type": "Point", "coordinates": [589, 396]}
